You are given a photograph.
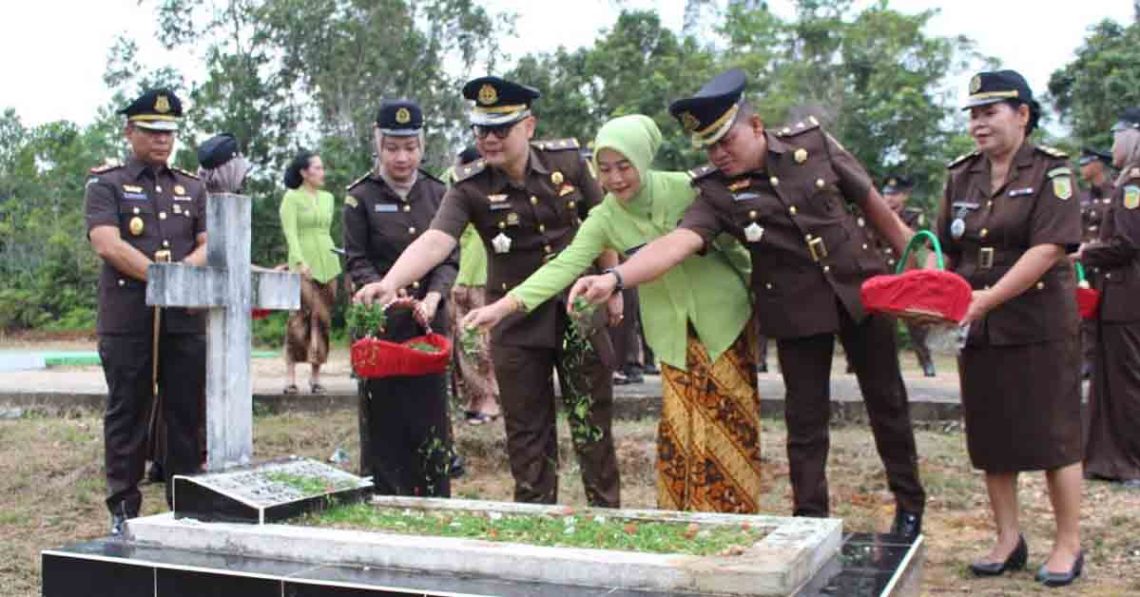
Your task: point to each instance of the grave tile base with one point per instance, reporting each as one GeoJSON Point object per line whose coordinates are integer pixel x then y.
{"type": "Point", "coordinates": [868, 565]}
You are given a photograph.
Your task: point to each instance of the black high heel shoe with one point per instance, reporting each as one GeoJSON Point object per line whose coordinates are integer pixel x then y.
{"type": "Point", "coordinates": [1060, 579]}
{"type": "Point", "coordinates": [1016, 561]}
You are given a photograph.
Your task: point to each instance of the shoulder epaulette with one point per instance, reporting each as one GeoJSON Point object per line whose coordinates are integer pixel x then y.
{"type": "Point", "coordinates": [355, 183]}
{"type": "Point", "coordinates": [431, 176]}
{"type": "Point", "coordinates": [185, 173]}
{"type": "Point", "coordinates": [701, 171]}
{"type": "Point", "coordinates": [1063, 170]}
{"type": "Point", "coordinates": [809, 123]}
{"type": "Point", "coordinates": [104, 168]}
{"type": "Point", "coordinates": [556, 144]}
{"type": "Point", "coordinates": [468, 170]}
{"type": "Point", "coordinates": [961, 158]}
{"type": "Point", "coordinates": [1052, 151]}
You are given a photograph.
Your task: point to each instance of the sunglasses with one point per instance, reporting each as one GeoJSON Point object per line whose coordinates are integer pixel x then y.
{"type": "Point", "coordinates": [500, 132]}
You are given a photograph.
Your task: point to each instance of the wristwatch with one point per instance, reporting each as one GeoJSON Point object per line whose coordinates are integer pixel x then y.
{"type": "Point", "coordinates": [620, 281]}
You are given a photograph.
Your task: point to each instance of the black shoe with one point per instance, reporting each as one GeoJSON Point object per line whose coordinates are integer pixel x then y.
{"type": "Point", "coordinates": [155, 474]}
{"type": "Point", "coordinates": [907, 525]}
{"type": "Point", "coordinates": [458, 467]}
{"type": "Point", "coordinates": [928, 369]}
{"type": "Point", "coordinates": [762, 367]}
{"type": "Point", "coordinates": [651, 369]}
{"type": "Point", "coordinates": [1061, 579]}
{"type": "Point", "coordinates": [634, 377]}
{"type": "Point", "coordinates": [1016, 561]}
{"type": "Point", "coordinates": [119, 520]}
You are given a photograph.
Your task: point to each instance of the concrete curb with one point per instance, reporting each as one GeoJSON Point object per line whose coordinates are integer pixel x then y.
{"type": "Point", "coordinates": [630, 402]}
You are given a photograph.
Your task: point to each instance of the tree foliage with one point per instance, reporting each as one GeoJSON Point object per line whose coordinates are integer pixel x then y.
{"type": "Point", "coordinates": [1092, 90]}
{"type": "Point", "coordinates": [285, 74]}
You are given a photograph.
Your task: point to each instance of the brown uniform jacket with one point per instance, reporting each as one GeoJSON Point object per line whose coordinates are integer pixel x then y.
{"type": "Point", "coordinates": [154, 209]}
{"type": "Point", "coordinates": [540, 217]}
{"type": "Point", "coordinates": [378, 225]}
{"type": "Point", "coordinates": [1037, 205]}
{"type": "Point", "coordinates": [812, 250]}
{"type": "Point", "coordinates": [914, 219]}
{"type": "Point", "coordinates": [1117, 255]}
{"type": "Point", "coordinates": [1094, 206]}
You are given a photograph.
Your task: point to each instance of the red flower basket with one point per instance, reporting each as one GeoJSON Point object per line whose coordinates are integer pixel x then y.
{"type": "Point", "coordinates": [256, 314]}
{"type": "Point", "coordinates": [374, 358]}
{"type": "Point", "coordinates": [1088, 299]}
{"type": "Point", "coordinates": [922, 295]}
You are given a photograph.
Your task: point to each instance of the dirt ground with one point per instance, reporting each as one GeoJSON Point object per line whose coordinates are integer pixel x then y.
{"type": "Point", "coordinates": [51, 493]}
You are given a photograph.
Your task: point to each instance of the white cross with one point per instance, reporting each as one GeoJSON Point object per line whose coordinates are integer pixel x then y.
{"type": "Point", "coordinates": [229, 288]}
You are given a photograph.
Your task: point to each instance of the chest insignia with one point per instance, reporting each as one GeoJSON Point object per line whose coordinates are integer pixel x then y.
{"type": "Point", "coordinates": [1020, 192]}
{"type": "Point", "coordinates": [556, 177]}
{"type": "Point", "coordinates": [179, 189]}
{"type": "Point", "coordinates": [753, 232]}
{"type": "Point", "coordinates": [498, 198]}
{"type": "Point", "coordinates": [136, 226]}
{"type": "Point", "coordinates": [740, 184]}
{"type": "Point", "coordinates": [501, 243]}
{"type": "Point", "coordinates": [801, 155]}
{"type": "Point", "coordinates": [566, 190]}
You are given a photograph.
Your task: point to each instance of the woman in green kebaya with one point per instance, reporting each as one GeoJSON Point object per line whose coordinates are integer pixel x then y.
{"type": "Point", "coordinates": [696, 319]}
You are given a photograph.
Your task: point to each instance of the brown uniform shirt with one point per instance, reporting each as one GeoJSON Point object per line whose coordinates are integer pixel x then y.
{"type": "Point", "coordinates": [1117, 255]}
{"type": "Point", "coordinates": [914, 219]}
{"type": "Point", "coordinates": [539, 217]}
{"type": "Point", "coordinates": [1094, 206]}
{"type": "Point", "coordinates": [810, 249]}
{"type": "Point", "coordinates": [154, 209]}
{"type": "Point", "coordinates": [1037, 205]}
{"type": "Point", "coordinates": [378, 225]}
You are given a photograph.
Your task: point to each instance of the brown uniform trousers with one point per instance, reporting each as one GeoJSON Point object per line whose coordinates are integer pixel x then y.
{"type": "Point", "coordinates": [522, 227]}
{"type": "Point", "coordinates": [1095, 202]}
{"type": "Point", "coordinates": [154, 209]}
{"type": "Point", "coordinates": [1112, 448]}
{"type": "Point", "coordinates": [809, 256]}
{"type": "Point", "coordinates": [1020, 369]}
{"type": "Point", "coordinates": [405, 431]}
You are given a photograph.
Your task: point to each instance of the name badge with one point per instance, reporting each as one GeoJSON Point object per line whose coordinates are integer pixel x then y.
{"type": "Point", "coordinates": [183, 198]}
{"type": "Point", "coordinates": [500, 206]}
{"type": "Point", "coordinates": [1020, 192]}
{"type": "Point", "coordinates": [386, 207]}
{"type": "Point", "coordinates": [745, 196]}
{"type": "Point", "coordinates": [135, 196]}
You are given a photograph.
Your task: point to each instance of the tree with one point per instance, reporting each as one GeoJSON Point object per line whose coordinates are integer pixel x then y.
{"type": "Point", "coordinates": [1092, 90]}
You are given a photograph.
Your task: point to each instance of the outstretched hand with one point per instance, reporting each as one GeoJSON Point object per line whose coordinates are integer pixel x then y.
{"type": "Point", "coordinates": [488, 317]}
{"type": "Point", "coordinates": [595, 289]}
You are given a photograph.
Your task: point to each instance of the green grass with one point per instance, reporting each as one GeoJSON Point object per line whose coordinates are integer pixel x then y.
{"type": "Point", "coordinates": [307, 485]}
{"type": "Point", "coordinates": [584, 531]}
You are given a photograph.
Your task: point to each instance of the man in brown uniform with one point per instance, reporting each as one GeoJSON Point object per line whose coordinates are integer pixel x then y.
{"type": "Point", "coordinates": [138, 213]}
{"type": "Point", "coordinates": [526, 200]}
{"type": "Point", "coordinates": [897, 193]}
{"type": "Point", "coordinates": [1095, 201]}
{"type": "Point", "coordinates": [783, 194]}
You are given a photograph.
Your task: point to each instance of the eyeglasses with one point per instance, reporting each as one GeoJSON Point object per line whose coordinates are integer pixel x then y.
{"type": "Point", "coordinates": [500, 132]}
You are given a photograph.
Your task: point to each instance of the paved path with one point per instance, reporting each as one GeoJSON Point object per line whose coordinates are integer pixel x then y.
{"type": "Point", "coordinates": [70, 388]}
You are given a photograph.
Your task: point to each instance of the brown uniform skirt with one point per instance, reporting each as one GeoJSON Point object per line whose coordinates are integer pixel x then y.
{"type": "Point", "coordinates": [1113, 449]}
{"type": "Point", "coordinates": [1022, 405]}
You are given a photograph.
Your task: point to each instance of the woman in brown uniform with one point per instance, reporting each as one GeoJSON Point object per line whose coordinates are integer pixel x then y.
{"type": "Point", "coordinates": [405, 432]}
{"type": "Point", "coordinates": [1007, 219]}
{"type": "Point", "coordinates": [1113, 448]}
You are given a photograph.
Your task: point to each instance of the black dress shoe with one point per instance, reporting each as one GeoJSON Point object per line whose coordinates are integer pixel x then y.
{"type": "Point", "coordinates": [119, 521]}
{"type": "Point", "coordinates": [1061, 579]}
{"type": "Point", "coordinates": [907, 525]}
{"type": "Point", "coordinates": [651, 369]}
{"type": "Point", "coordinates": [762, 367]}
{"type": "Point", "coordinates": [928, 369]}
{"type": "Point", "coordinates": [155, 474]}
{"type": "Point", "coordinates": [1016, 561]}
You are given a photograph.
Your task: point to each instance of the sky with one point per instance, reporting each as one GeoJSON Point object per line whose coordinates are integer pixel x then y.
{"type": "Point", "coordinates": [61, 77]}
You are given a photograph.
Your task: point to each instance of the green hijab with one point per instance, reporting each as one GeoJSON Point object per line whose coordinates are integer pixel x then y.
{"type": "Point", "coordinates": [637, 138]}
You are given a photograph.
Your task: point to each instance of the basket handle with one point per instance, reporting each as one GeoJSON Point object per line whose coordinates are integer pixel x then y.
{"type": "Point", "coordinates": [410, 304]}
{"type": "Point", "coordinates": [915, 241]}
{"type": "Point", "coordinates": [1080, 272]}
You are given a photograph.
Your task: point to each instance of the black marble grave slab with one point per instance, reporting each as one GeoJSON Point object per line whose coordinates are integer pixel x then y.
{"type": "Point", "coordinates": [266, 492]}
{"type": "Point", "coordinates": [868, 565]}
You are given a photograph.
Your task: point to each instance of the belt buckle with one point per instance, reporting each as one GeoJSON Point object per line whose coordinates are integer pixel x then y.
{"type": "Point", "coordinates": [986, 257]}
{"type": "Point", "coordinates": [162, 256]}
{"type": "Point", "coordinates": [817, 249]}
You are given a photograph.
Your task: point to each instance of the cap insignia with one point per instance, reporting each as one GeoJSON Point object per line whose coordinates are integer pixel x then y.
{"type": "Point", "coordinates": [488, 94]}
{"type": "Point", "coordinates": [162, 104]}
